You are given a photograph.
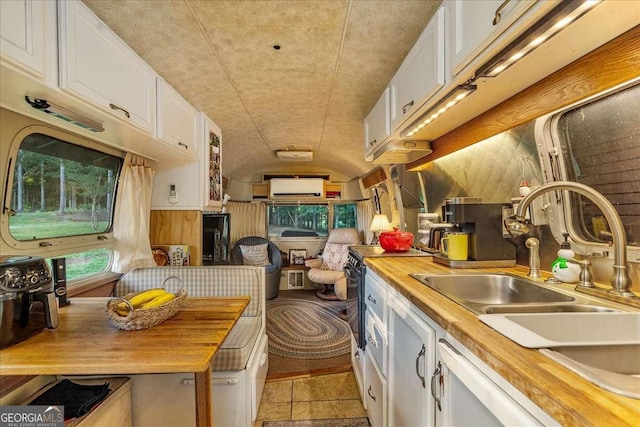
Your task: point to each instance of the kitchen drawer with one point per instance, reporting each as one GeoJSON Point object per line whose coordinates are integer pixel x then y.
{"type": "Point", "coordinates": [375, 296]}
{"type": "Point", "coordinates": [375, 393]}
{"type": "Point", "coordinates": [376, 336]}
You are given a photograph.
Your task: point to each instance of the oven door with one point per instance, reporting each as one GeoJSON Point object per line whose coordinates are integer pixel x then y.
{"type": "Point", "coordinates": [355, 287]}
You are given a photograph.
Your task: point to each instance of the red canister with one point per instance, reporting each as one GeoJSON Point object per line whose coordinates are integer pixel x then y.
{"type": "Point", "coordinates": [396, 240]}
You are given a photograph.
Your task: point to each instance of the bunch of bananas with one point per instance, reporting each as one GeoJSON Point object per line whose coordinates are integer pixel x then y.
{"type": "Point", "coordinates": [145, 300]}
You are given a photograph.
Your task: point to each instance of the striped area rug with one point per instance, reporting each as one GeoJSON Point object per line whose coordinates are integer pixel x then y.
{"type": "Point", "coordinates": [303, 329]}
{"type": "Point", "coordinates": [336, 422]}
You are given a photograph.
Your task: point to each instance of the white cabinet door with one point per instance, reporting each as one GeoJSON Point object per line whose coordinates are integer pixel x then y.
{"type": "Point", "coordinates": [177, 120]}
{"type": "Point", "coordinates": [98, 67]}
{"type": "Point", "coordinates": [376, 125]}
{"type": "Point", "coordinates": [472, 27]}
{"type": "Point", "coordinates": [411, 362]}
{"type": "Point", "coordinates": [422, 72]}
{"type": "Point", "coordinates": [22, 34]}
{"type": "Point", "coordinates": [375, 393]}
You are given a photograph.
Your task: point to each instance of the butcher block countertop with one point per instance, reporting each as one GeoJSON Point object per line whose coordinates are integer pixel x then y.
{"type": "Point", "coordinates": [564, 395]}
{"type": "Point", "coordinates": [87, 343]}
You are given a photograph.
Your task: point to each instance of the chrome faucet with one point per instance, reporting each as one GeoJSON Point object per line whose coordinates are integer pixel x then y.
{"type": "Point", "coordinates": [620, 280]}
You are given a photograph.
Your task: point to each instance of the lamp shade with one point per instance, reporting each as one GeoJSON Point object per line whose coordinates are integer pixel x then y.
{"type": "Point", "coordinates": [380, 223]}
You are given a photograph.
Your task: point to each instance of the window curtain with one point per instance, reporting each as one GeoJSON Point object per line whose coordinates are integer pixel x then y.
{"type": "Point", "coordinates": [131, 216]}
{"type": "Point", "coordinates": [247, 219]}
{"type": "Point", "coordinates": [364, 213]}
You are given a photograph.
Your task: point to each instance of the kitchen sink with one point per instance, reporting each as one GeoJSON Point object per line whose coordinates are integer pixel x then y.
{"type": "Point", "coordinates": [613, 367]}
{"type": "Point", "coordinates": [479, 292]}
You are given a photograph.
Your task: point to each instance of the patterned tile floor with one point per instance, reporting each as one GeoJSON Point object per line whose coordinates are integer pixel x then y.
{"type": "Point", "coordinates": [316, 397]}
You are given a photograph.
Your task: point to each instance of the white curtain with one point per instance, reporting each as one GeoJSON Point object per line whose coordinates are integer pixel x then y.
{"type": "Point", "coordinates": [131, 216]}
{"type": "Point", "coordinates": [247, 219]}
{"type": "Point", "coordinates": [364, 213]}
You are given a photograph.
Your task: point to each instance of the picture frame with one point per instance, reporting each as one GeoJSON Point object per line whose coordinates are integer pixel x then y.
{"type": "Point", "coordinates": [297, 256]}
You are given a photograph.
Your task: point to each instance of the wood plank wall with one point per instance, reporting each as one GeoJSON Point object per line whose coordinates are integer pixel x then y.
{"type": "Point", "coordinates": [178, 228]}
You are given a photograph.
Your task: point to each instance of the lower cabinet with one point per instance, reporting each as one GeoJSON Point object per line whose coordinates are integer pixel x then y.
{"type": "Point", "coordinates": [411, 362]}
{"type": "Point", "coordinates": [429, 378]}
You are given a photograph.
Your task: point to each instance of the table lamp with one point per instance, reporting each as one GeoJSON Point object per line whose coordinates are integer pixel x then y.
{"type": "Point", "coordinates": [380, 223]}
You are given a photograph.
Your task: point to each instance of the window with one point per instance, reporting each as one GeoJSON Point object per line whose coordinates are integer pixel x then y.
{"type": "Point", "coordinates": [61, 200]}
{"type": "Point", "coordinates": [344, 216]}
{"type": "Point", "coordinates": [298, 220]}
{"type": "Point", "coordinates": [599, 146]}
{"type": "Point", "coordinates": [309, 220]}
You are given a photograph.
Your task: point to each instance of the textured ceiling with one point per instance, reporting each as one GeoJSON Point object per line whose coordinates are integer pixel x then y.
{"type": "Point", "coordinates": [334, 61]}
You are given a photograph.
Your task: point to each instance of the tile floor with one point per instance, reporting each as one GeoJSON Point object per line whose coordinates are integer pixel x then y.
{"type": "Point", "coordinates": [317, 397]}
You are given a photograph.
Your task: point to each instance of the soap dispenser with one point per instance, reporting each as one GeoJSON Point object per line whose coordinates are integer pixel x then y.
{"type": "Point", "coordinates": [562, 269]}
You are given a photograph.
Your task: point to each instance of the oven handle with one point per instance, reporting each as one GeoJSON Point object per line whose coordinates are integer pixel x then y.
{"type": "Point", "coordinates": [351, 275]}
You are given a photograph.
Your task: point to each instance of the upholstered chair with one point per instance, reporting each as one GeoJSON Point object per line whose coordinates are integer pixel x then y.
{"type": "Point", "coordinates": [255, 250]}
{"type": "Point", "coordinates": [327, 271]}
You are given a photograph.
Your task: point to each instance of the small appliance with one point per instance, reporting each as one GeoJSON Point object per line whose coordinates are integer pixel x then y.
{"type": "Point", "coordinates": [27, 298]}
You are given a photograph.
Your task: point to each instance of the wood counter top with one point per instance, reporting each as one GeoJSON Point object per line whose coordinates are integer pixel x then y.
{"type": "Point", "coordinates": [568, 398]}
{"type": "Point", "coordinates": [87, 343]}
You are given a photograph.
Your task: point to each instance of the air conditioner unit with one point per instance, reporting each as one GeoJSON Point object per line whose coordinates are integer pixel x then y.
{"type": "Point", "coordinates": [296, 188]}
{"type": "Point", "coordinates": [300, 156]}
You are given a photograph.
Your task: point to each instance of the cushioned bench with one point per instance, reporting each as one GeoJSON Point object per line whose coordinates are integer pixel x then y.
{"type": "Point", "coordinates": [240, 366]}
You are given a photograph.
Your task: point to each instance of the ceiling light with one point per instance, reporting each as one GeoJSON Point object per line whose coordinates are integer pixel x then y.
{"type": "Point", "coordinates": [452, 98]}
{"type": "Point", "coordinates": [552, 23]}
{"type": "Point", "coordinates": [295, 155]}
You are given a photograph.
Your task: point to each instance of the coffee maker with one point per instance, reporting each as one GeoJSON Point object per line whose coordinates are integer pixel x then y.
{"type": "Point", "coordinates": [483, 223]}
{"type": "Point", "coordinates": [27, 298]}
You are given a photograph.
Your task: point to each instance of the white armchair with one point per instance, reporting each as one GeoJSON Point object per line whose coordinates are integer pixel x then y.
{"type": "Point", "coordinates": [327, 271]}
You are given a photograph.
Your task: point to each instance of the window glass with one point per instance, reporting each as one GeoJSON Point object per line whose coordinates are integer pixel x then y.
{"type": "Point", "coordinates": [344, 216]}
{"type": "Point", "coordinates": [84, 264]}
{"type": "Point", "coordinates": [61, 189]}
{"type": "Point", "coordinates": [298, 220]}
{"type": "Point", "coordinates": [600, 148]}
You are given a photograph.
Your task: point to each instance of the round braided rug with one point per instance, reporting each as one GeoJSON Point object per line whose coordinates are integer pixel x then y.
{"type": "Point", "coordinates": [302, 329]}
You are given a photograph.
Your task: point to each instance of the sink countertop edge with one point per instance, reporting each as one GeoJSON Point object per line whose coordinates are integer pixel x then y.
{"type": "Point", "coordinates": [567, 397]}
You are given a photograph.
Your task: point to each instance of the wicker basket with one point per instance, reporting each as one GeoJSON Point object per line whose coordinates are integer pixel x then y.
{"type": "Point", "coordinates": [144, 318]}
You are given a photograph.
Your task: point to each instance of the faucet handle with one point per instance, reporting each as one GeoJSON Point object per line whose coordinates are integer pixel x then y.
{"type": "Point", "coordinates": [585, 279]}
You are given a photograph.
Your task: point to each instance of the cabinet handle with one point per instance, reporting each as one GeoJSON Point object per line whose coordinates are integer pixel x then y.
{"type": "Point", "coordinates": [371, 394]}
{"type": "Point", "coordinates": [370, 298]}
{"type": "Point", "coordinates": [373, 142]}
{"type": "Point", "coordinates": [115, 107]}
{"type": "Point", "coordinates": [436, 374]}
{"type": "Point", "coordinates": [498, 15]}
{"type": "Point", "coordinates": [422, 353]}
{"type": "Point", "coordinates": [182, 144]}
{"type": "Point", "coordinates": [356, 355]}
{"type": "Point", "coordinates": [408, 105]}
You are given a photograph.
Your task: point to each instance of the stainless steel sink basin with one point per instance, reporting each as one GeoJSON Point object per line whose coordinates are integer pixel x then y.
{"type": "Point", "coordinates": [478, 292]}
{"type": "Point", "coordinates": [548, 308]}
{"type": "Point", "coordinates": [615, 368]}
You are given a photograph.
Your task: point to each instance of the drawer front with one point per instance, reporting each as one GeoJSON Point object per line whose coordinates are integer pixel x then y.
{"type": "Point", "coordinates": [375, 393]}
{"type": "Point", "coordinates": [375, 295]}
{"type": "Point", "coordinates": [377, 342]}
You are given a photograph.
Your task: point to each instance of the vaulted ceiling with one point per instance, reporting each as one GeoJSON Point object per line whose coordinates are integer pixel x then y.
{"type": "Point", "coordinates": [276, 74]}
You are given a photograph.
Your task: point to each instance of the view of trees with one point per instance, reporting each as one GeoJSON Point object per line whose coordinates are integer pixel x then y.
{"type": "Point", "coordinates": [50, 188]}
{"type": "Point", "coordinates": [308, 220]}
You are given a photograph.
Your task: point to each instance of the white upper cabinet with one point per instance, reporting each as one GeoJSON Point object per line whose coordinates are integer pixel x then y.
{"type": "Point", "coordinates": [22, 34]}
{"type": "Point", "coordinates": [98, 67]}
{"type": "Point", "coordinates": [177, 120]}
{"type": "Point", "coordinates": [474, 25]}
{"type": "Point", "coordinates": [376, 125]}
{"type": "Point", "coordinates": [422, 72]}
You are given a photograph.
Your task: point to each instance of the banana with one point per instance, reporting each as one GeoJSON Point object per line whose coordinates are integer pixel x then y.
{"type": "Point", "coordinates": [158, 301]}
{"type": "Point", "coordinates": [144, 297]}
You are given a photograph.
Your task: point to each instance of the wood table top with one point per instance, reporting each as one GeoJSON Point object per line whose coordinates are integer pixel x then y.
{"type": "Point", "coordinates": [568, 398]}
{"type": "Point", "coordinates": [87, 343]}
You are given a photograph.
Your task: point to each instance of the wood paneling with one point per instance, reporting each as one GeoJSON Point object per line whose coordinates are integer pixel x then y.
{"type": "Point", "coordinates": [178, 228]}
{"type": "Point", "coordinates": [375, 177]}
{"type": "Point", "coordinates": [610, 65]}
